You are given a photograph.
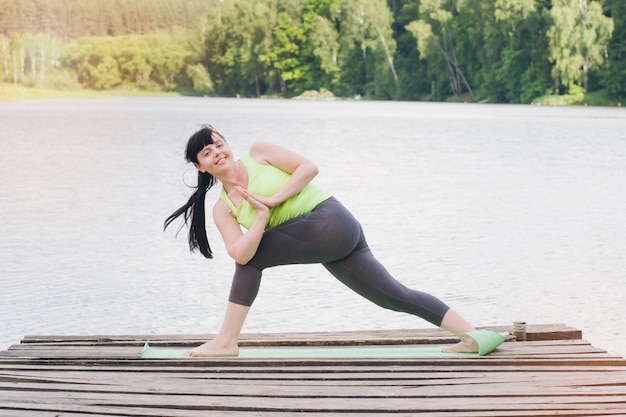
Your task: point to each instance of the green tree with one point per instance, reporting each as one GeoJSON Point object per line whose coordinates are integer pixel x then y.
{"type": "Point", "coordinates": [284, 56]}
{"type": "Point", "coordinates": [367, 48]}
{"type": "Point", "coordinates": [384, 47]}
{"type": "Point", "coordinates": [214, 28]}
{"type": "Point", "coordinates": [256, 40]}
{"type": "Point", "coordinates": [169, 56]}
{"type": "Point", "coordinates": [500, 55]}
{"type": "Point", "coordinates": [324, 39]}
{"type": "Point", "coordinates": [413, 82]}
{"type": "Point", "coordinates": [200, 78]}
{"type": "Point", "coordinates": [247, 51]}
{"type": "Point", "coordinates": [615, 77]}
{"type": "Point", "coordinates": [16, 60]}
{"type": "Point", "coordinates": [5, 57]}
{"type": "Point", "coordinates": [93, 61]}
{"type": "Point", "coordinates": [436, 42]}
{"type": "Point", "coordinates": [133, 58]}
{"type": "Point", "coordinates": [32, 59]}
{"type": "Point", "coordinates": [105, 75]}
{"type": "Point", "coordinates": [41, 52]}
{"type": "Point", "coordinates": [529, 76]}
{"type": "Point", "coordinates": [578, 39]}
{"type": "Point", "coordinates": [319, 48]}
{"type": "Point", "coordinates": [235, 34]}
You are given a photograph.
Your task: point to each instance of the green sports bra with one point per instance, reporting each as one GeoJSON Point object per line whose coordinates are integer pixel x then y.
{"type": "Point", "coordinates": [267, 180]}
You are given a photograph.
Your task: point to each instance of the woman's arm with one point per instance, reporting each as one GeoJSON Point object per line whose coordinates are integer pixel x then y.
{"type": "Point", "coordinates": [302, 170]}
{"type": "Point", "coordinates": [240, 246]}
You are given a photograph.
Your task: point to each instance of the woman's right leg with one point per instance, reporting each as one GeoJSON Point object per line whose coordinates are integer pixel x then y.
{"type": "Point", "coordinates": [320, 236]}
{"type": "Point", "coordinates": [225, 342]}
{"type": "Point", "coordinates": [311, 238]}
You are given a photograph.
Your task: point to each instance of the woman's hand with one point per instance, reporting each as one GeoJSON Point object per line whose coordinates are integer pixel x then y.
{"type": "Point", "coordinates": [256, 198]}
{"type": "Point", "coordinates": [258, 202]}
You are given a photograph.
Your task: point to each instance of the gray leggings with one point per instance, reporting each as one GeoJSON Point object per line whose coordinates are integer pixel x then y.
{"type": "Point", "coordinates": [330, 235]}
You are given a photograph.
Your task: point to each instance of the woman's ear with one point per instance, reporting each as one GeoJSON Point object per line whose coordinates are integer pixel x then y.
{"type": "Point", "coordinates": [197, 165]}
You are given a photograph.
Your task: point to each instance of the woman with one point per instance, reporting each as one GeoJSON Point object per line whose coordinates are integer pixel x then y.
{"type": "Point", "coordinates": [288, 221]}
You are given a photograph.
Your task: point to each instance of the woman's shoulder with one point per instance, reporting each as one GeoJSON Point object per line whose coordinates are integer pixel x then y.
{"type": "Point", "coordinates": [268, 153]}
{"type": "Point", "coordinates": [261, 146]}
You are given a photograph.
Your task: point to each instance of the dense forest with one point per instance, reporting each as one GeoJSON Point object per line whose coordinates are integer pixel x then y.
{"type": "Point", "coordinates": [71, 19]}
{"type": "Point", "coordinates": [508, 51]}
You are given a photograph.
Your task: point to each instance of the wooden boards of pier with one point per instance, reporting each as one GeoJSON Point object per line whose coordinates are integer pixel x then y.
{"type": "Point", "coordinates": [554, 372]}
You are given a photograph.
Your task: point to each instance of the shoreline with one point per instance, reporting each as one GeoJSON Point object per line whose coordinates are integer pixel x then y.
{"type": "Point", "coordinates": [11, 92]}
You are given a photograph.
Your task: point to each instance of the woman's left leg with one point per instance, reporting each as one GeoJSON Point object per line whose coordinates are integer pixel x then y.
{"type": "Point", "coordinates": [365, 275]}
{"type": "Point", "coordinates": [362, 273]}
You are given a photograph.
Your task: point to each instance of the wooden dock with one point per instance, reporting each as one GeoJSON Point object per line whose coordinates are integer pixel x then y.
{"type": "Point", "coordinates": [554, 372]}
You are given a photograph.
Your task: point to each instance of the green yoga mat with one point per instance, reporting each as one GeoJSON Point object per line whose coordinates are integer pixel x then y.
{"type": "Point", "coordinates": [487, 341]}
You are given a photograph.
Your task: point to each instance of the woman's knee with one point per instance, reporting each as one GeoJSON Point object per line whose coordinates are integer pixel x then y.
{"type": "Point", "coordinates": [246, 284]}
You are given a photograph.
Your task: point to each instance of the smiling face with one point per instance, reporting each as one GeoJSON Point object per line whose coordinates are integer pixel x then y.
{"type": "Point", "coordinates": [208, 150]}
{"type": "Point", "coordinates": [214, 157]}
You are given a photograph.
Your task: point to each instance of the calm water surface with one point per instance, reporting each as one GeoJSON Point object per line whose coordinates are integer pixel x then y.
{"type": "Point", "coordinates": [505, 212]}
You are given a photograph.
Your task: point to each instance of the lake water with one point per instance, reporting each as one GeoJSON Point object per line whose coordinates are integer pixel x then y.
{"type": "Point", "coordinates": [505, 212]}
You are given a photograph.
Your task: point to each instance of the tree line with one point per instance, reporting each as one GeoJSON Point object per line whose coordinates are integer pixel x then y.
{"type": "Point", "coordinates": [509, 51]}
{"type": "Point", "coordinates": [71, 19]}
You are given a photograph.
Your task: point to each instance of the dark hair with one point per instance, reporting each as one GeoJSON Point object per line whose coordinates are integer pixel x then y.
{"type": "Point", "coordinates": [194, 208]}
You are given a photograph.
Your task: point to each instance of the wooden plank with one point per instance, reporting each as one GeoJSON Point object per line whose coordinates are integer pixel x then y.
{"type": "Point", "coordinates": [138, 344]}
{"type": "Point", "coordinates": [407, 402]}
{"type": "Point", "coordinates": [475, 386]}
{"type": "Point", "coordinates": [562, 349]}
{"type": "Point", "coordinates": [561, 382]}
{"type": "Point", "coordinates": [432, 369]}
{"type": "Point", "coordinates": [119, 411]}
{"type": "Point", "coordinates": [443, 388]}
{"type": "Point", "coordinates": [220, 362]}
{"type": "Point", "coordinates": [535, 332]}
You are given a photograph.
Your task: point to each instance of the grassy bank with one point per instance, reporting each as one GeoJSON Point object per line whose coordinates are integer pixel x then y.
{"type": "Point", "coordinates": [579, 98]}
{"type": "Point", "coordinates": [9, 92]}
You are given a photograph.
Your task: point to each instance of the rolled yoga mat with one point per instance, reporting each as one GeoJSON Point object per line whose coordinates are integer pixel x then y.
{"type": "Point", "coordinates": [487, 341]}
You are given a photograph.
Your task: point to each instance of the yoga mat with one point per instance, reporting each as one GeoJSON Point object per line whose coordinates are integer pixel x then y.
{"type": "Point", "coordinates": [487, 341]}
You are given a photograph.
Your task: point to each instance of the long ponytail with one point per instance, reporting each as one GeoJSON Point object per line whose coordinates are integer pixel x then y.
{"type": "Point", "coordinates": [194, 208]}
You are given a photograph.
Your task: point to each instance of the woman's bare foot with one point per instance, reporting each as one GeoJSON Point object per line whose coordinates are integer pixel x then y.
{"type": "Point", "coordinates": [466, 345]}
{"type": "Point", "coordinates": [213, 348]}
